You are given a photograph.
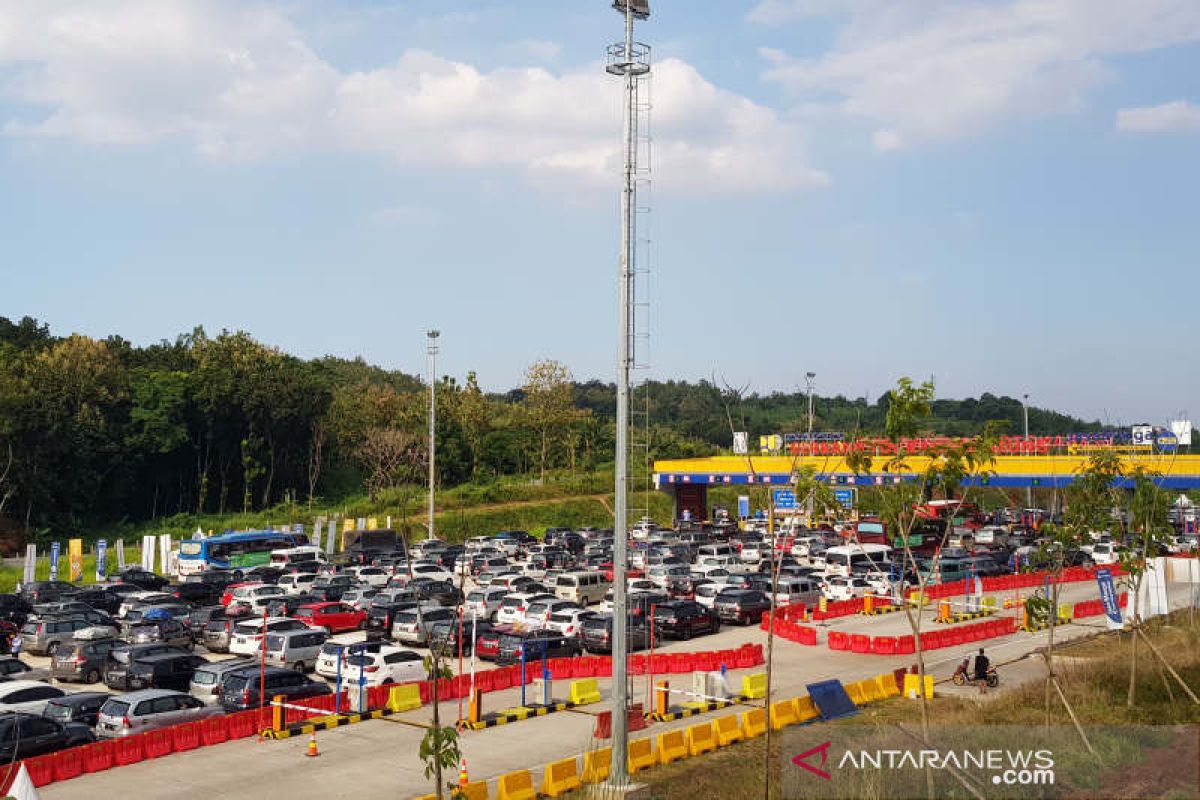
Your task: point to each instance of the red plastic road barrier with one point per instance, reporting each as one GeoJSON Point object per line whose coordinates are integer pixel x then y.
{"type": "Point", "coordinates": [905, 645]}
{"type": "Point", "coordinates": [185, 736]}
{"type": "Point", "coordinates": [637, 664]}
{"type": "Point", "coordinates": [98, 756]}
{"type": "Point", "coordinates": [603, 666]}
{"type": "Point", "coordinates": [585, 667]}
{"type": "Point", "coordinates": [213, 731]}
{"type": "Point", "coordinates": [68, 764]}
{"type": "Point", "coordinates": [156, 743]}
{"type": "Point", "coordinates": [242, 724]}
{"type": "Point", "coordinates": [501, 679]}
{"type": "Point", "coordinates": [838, 641]}
{"type": "Point", "coordinates": [129, 750]}
{"type": "Point", "coordinates": [883, 645]}
{"type": "Point", "coordinates": [860, 643]}
{"type": "Point", "coordinates": [41, 769]}
{"type": "Point", "coordinates": [485, 681]}
{"type": "Point", "coordinates": [426, 692]}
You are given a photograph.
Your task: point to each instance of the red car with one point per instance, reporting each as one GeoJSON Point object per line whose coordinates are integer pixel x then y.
{"type": "Point", "coordinates": [334, 617]}
{"type": "Point", "coordinates": [487, 646]}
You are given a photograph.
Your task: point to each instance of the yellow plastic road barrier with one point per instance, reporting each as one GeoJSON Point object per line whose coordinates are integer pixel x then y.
{"type": "Point", "coordinates": [475, 790]}
{"type": "Point", "coordinates": [887, 685]}
{"type": "Point", "coordinates": [754, 687]}
{"type": "Point", "coordinates": [516, 786]}
{"type": "Point", "coordinates": [783, 714]}
{"type": "Point", "coordinates": [561, 777]}
{"type": "Point", "coordinates": [672, 746]}
{"type": "Point", "coordinates": [585, 691]}
{"type": "Point", "coordinates": [727, 730]}
{"type": "Point", "coordinates": [869, 690]}
{"type": "Point", "coordinates": [806, 709]}
{"type": "Point", "coordinates": [597, 764]}
{"type": "Point", "coordinates": [700, 739]}
{"type": "Point", "coordinates": [754, 723]}
{"type": "Point", "coordinates": [855, 693]}
{"type": "Point", "coordinates": [912, 685]}
{"type": "Point", "coordinates": [1066, 613]}
{"type": "Point", "coordinates": [640, 755]}
{"type": "Point", "coordinates": [404, 698]}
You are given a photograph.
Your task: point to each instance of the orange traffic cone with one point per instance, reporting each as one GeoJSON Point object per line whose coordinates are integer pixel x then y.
{"type": "Point", "coordinates": [463, 780]}
{"type": "Point", "coordinates": [312, 745]}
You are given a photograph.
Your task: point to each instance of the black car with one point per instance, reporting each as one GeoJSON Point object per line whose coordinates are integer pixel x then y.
{"type": "Point", "coordinates": [286, 605]}
{"type": "Point", "coordinates": [28, 735]}
{"type": "Point", "coordinates": [220, 578]}
{"type": "Point", "coordinates": [444, 637]}
{"type": "Point", "coordinates": [239, 688]}
{"type": "Point", "coordinates": [196, 594]}
{"type": "Point", "coordinates": [164, 671]}
{"type": "Point", "coordinates": [595, 634]}
{"type": "Point", "coordinates": [14, 609]}
{"type": "Point", "coordinates": [81, 707]}
{"type": "Point", "coordinates": [148, 581]}
{"type": "Point", "coordinates": [202, 616]}
{"type": "Point", "coordinates": [99, 599]}
{"type": "Point", "coordinates": [742, 606]}
{"type": "Point", "coordinates": [116, 668]}
{"type": "Point", "coordinates": [536, 646]}
{"type": "Point", "coordinates": [47, 591]}
{"type": "Point", "coordinates": [443, 593]}
{"type": "Point", "coordinates": [264, 574]}
{"type": "Point", "coordinates": [683, 619]}
{"type": "Point", "coordinates": [380, 617]}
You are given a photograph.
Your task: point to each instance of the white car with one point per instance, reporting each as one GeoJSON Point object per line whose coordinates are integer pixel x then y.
{"type": "Point", "coordinates": [568, 621]}
{"type": "Point", "coordinates": [706, 593]}
{"type": "Point", "coordinates": [28, 696]}
{"type": "Point", "coordinates": [635, 586]}
{"type": "Point", "coordinates": [143, 598]}
{"type": "Point", "coordinates": [513, 607]}
{"type": "Point", "coordinates": [484, 603]}
{"type": "Point", "coordinates": [1105, 554]}
{"type": "Point", "coordinates": [253, 592]}
{"type": "Point", "coordinates": [841, 587]}
{"type": "Point", "coordinates": [389, 665]}
{"type": "Point", "coordinates": [754, 552]}
{"type": "Point", "coordinates": [373, 576]}
{"type": "Point", "coordinates": [297, 583]}
{"type": "Point", "coordinates": [537, 614]}
{"type": "Point", "coordinates": [246, 637]}
{"type": "Point", "coordinates": [879, 582]}
{"type": "Point", "coordinates": [359, 598]}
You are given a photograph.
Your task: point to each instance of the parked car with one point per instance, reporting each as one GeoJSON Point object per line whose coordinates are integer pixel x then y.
{"type": "Point", "coordinates": [164, 671]}
{"type": "Point", "coordinates": [29, 696]}
{"type": "Point", "coordinates": [381, 617]}
{"type": "Point", "coordinates": [25, 735]}
{"type": "Point", "coordinates": [217, 634]}
{"type": "Point", "coordinates": [536, 645]}
{"type": "Point", "coordinates": [513, 607]}
{"type": "Point", "coordinates": [742, 606]}
{"type": "Point", "coordinates": [196, 594]}
{"type": "Point", "coordinates": [595, 635]}
{"type": "Point", "coordinates": [240, 688]}
{"type": "Point", "coordinates": [148, 710]}
{"type": "Point", "coordinates": [683, 619]}
{"type": "Point", "coordinates": [140, 577]}
{"type": "Point", "coordinates": [206, 680]}
{"type": "Point", "coordinates": [44, 636]}
{"type": "Point", "coordinates": [14, 608]}
{"type": "Point", "coordinates": [202, 616]}
{"type": "Point", "coordinates": [484, 603]}
{"type": "Point", "coordinates": [298, 582]}
{"type": "Point", "coordinates": [116, 668]}
{"type": "Point", "coordinates": [248, 635]}
{"type": "Point", "coordinates": [333, 617]}
{"type": "Point", "coordinates": [82, 661]}
{"type": "Point", "coordinates": [376, 577]}
{"type": "Point", "coordinates": [443, 593]}
{"type": "Point", "coordinates": [252, 591]}
{"type": "Point", "coordinates": [444, 636]}
{"type": "Point", "coordinates": [145, 599]}
{"type": "Point", "coordinates": [333, 653]}
{"type": "Point", "coordinates": [46, 591]}
{"type": "Point", "coordinates": [413, 626]}
{"type": "Point", "coordinates": [81, 707]}
{"type": "Point", "coordinates": [842, 587]}
{"type": "Point", "coordinates": [13, 668]}
{"type": "Point", "coordinates": [387, 665]}
{"type": "Point", "coordinates": [169, 631]}
{"type": "Point", "coordinates": [568, 621]}
{"type": "Point", "coordinates": [296, 649]}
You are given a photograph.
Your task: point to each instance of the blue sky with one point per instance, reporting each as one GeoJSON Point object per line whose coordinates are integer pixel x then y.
{"type": "Point", "coordinates": [999, 194]}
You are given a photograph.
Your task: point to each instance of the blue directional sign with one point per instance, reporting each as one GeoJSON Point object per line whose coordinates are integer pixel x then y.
{"type": "Point", "coordinates": [785, 499]}
{"type": "Point", "coordinates": [844, 497]}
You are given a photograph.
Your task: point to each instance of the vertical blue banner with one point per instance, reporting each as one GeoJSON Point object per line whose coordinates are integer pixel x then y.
{"type": "Point", "coordinates": [55, 551]}
{"type": "Point", "coordinates": [101, 560]}
{"type": "Point", "coordinates": [1108, 596]}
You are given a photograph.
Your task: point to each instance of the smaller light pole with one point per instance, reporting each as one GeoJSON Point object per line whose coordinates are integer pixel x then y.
{"type": "Point", "coordinates": [808, 378]}
{"type": "Point", "coordinates": [1025, 413]}
{"type": "Point", "coordinates": [432, 349]}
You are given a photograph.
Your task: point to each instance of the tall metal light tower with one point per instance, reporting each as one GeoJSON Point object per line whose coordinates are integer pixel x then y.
{"type": "Point", "coordinates": [808, 377]}
{"type": "Point", "coordinates": [431, 338]}
{"type": "Point", "coordinates": [1025, 413]}
{"type": "Point", "coordinates": [631, 61]}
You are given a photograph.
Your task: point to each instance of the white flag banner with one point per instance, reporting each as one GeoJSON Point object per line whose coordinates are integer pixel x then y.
{"type": "Point", "coordinates": [1152, 594]}
{"type": "Point", "coordinates": [148, 545]}
{"type": "Point", "coordinates": [164, 552]}
{"type": "Point", "coordinates": [30, 574]}
{"type": "Point", "coordinates": [329, 542]}
{"type": "Point", "coordinates": [120, 547]}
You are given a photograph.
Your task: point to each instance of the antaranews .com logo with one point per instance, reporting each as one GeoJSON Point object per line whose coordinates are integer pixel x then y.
{"type": "Point", "coordinates": [1010, 767]}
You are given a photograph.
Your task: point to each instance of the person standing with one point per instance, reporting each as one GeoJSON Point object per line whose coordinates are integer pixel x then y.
{"type": "Point", "coordinates": [14, 644]}
{"type": "Point", "coordinates": [981, 670]}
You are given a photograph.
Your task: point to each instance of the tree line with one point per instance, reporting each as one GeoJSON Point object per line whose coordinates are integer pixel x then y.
{"type": "Point", "coordinates": [99, 431]}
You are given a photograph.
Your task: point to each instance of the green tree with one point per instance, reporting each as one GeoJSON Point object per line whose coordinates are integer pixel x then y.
{"type": "Point", "coordinates": [549, 405]}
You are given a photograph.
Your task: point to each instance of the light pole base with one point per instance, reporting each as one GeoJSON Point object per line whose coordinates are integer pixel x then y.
{"type": "Point", "coordinates": [605, 791]}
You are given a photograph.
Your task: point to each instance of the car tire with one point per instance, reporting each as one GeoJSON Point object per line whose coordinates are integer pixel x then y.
{"type": "Point", "coordinates": [92, 676]}
{"type": "Point", "coordinates": [299, 667]}
{"type": "Point", "coordinates": [362, 626]}
{"type": "Point", "coordinates": [51, 649]}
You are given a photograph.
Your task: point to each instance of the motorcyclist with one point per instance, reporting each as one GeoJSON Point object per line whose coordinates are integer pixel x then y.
{"type": "Point", "coordinates": [981, 671]}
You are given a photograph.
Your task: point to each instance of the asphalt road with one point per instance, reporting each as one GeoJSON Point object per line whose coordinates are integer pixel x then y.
{"type": "Point", "coordinates": [380, 758]}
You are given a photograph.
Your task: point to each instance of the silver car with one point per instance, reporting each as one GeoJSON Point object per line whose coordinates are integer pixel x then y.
{"type": "Point", "coordinates": [411, 628]}
{"type": "Point", "coordinates": [206, 681]}
{"type": "Point", "coordinates": [148, 710]}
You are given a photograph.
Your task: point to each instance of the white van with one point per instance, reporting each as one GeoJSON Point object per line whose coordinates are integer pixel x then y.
{"type": "Point", "coordinates": [583, 588]}
{"type": "Point", "coordinates": [790, 591]}
{"type": "Point", "coordinates": [706, 550]}
{"type": "Point", "coordinates": [287, 555]}
{"type": "Point", "coordinates": [297, 583]}
{"type": "Point", "coordinates": [296, 650]}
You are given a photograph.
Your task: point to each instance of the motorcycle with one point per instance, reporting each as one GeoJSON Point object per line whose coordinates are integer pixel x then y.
{"type": "Point", "coordinates": [963, 676]}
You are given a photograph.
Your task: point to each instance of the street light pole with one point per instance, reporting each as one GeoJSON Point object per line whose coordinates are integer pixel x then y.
{"type": "Point", "coordinates": [808, 377]}
{"type": "Point", "coordinates": [432, 349]}
{"type": "Point", "coordinates": [1025, 413]}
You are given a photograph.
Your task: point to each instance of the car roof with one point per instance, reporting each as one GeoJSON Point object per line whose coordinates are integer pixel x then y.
{"type": "Point", "coordinates": [8, 686]}
{"type": "Point", "coordinates": [148, 694]}
{"type": "Point", "coordinates": [77, 698]}
{"type": "Point", "coordinates": [227, 665]}
{"type": "Point", "coordinates": [156, 657]}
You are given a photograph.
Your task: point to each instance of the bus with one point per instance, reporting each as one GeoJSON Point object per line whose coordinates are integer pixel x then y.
{"type": "Point", "coordinates": [234, 550]}
{"type": "Point", "coordinates": [840, 560]}
{"type": "Point", "coordinates": [308, 552]}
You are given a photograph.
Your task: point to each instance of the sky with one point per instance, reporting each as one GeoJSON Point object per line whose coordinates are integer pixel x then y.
{"type": "Point", "coordinates": [1000, 194]}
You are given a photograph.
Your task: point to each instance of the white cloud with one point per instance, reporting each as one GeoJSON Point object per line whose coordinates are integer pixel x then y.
{"type": "Point", "coordinates": [238, 82]}
{"type": "Point", "coordinates": [924, 70]}
{"type": "Point", "coordinates": [1178, 116]}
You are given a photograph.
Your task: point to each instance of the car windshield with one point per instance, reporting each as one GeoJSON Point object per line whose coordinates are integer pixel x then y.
{"type": "Point", "coordinates": [114, 708]}
{"type": "Point", "coordinates": [562, 617]}
{"type": "Point", "coordinates": [406, 618]}
{"type": "Point", "coordinates": [360, 661]}
{"type": "Point", "coordinates": [56, 711]}
{"type": "Point", "coordinates": [246, 628]}
{"type": "Point", "coordinates": [202, 677]}
{"type": "Point", "coordinates": [65, 652]}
